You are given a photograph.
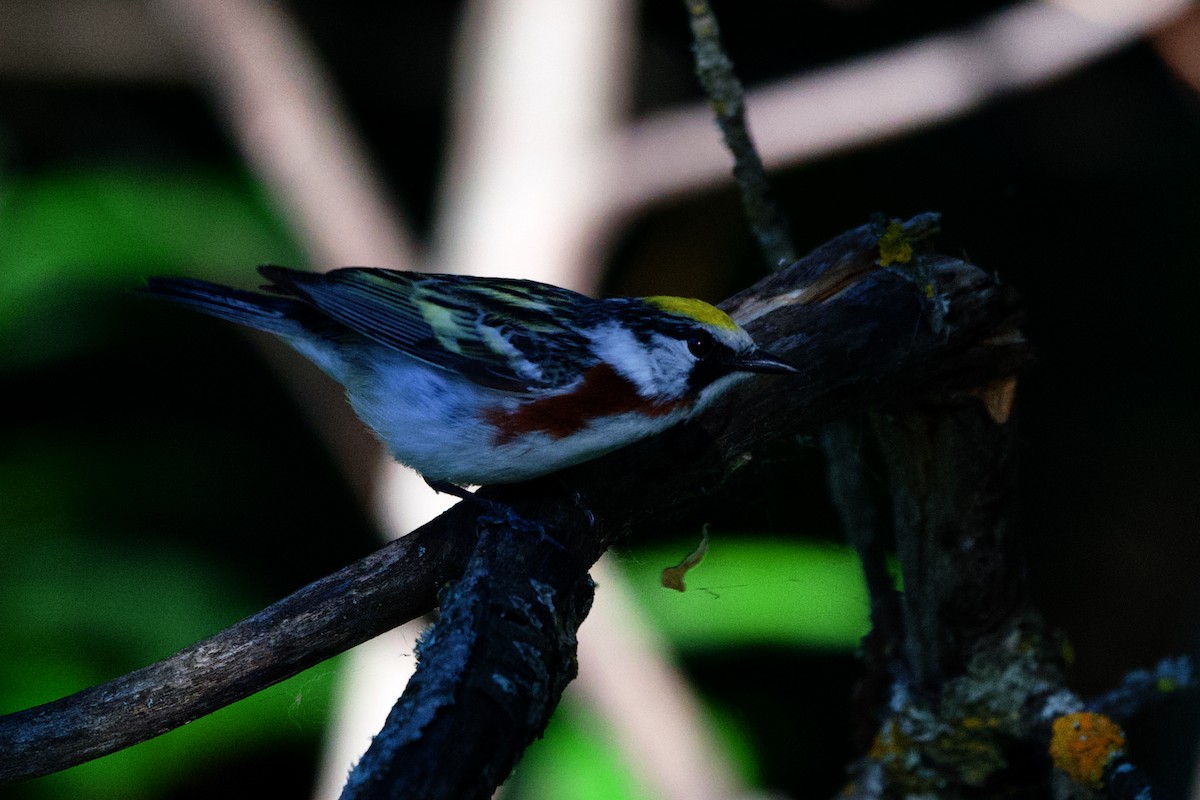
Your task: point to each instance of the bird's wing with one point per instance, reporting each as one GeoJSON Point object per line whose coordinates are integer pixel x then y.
{"type": "Point", "coordinates": [512, 335]}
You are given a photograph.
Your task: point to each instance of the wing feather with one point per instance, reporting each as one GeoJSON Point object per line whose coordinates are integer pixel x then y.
{"type": "Point", "coordinates": [513, 335]}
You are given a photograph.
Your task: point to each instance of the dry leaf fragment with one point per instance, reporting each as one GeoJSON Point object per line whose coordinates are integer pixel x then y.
{"type": "Point", "coordinates": [999, 397]}
{"type": "Point", "coordinates": [672, 577]}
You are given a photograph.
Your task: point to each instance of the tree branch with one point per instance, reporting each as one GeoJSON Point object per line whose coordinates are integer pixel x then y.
{"type": "Point", "coordinates": [862, 335]}
{"type": "Point", "coordinates": [952, 471]}
{"type": "Point", "coordinates": [327, 617]}
{"type": "Point", "coordinates": [490, 672]}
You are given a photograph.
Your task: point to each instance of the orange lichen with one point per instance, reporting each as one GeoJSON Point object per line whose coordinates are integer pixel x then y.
{"type": "Point", "coordinates": [1083, 743]}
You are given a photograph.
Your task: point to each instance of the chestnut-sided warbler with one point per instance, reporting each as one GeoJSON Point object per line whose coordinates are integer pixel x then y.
{"type": "Point", "coordinates": [489, 380]}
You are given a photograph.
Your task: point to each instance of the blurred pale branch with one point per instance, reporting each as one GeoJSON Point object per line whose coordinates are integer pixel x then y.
{"type": "Point", "coordinates": [848, 105]}
{"type": "Point", "coordinates": [883, 95]}
{"type": "Point", "coordinates": [94, 40]}
{"type": "Point", "coordinates": [1178, 44]}
{"type": "Point", "coordinates": [291, 127]}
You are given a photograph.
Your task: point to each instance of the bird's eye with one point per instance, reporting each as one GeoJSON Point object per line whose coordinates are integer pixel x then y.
{"type": "Point", "coordinates": [701, 344]}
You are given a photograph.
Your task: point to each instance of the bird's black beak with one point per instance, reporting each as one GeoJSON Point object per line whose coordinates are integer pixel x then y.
{"type": "Point", "coordinates": [762, 361]}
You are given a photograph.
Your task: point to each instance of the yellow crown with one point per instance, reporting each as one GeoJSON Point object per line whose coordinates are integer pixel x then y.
{"type": "Point", "coordinates": [695, 309]}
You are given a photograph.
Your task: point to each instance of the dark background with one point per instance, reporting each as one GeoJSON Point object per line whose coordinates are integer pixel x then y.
{"type": "Point", "coordinates": [141, 444]}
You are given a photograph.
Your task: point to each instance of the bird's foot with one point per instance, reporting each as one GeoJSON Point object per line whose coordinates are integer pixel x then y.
{"type": "Point", "coordinates": [495, 511]}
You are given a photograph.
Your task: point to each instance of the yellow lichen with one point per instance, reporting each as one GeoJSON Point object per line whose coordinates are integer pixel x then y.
{"type": "Point", "coordinates": [1067, 651]}
{"type": "Point", "coordinates": [973, 748]}
{"type": "Point", "coordinates": [1083, 743]}
{"type": "Point", "coordinates": [978, 723]}
{"type": "Point", "coordinates": [894, 246]}
{"type": "Point", "coordinates": [899, 755]}
{"type": "Point", "coordinates": [890, 743]}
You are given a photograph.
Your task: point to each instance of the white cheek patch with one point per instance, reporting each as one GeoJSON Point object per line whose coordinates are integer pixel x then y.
{"type": "Point", "coordinates": [671, 366]}
{"type": "Point", "coordinates": [619, 347]}
{"type": "Point", "coordinates": [663, 374]}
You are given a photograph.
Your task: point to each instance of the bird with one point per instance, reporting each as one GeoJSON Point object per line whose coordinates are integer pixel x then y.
{"type": "Point", "coordinates": [480, 380]}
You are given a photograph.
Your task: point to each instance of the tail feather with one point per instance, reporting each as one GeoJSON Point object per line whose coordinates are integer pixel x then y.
{"type": "Point", "coordinates": [279, 315]}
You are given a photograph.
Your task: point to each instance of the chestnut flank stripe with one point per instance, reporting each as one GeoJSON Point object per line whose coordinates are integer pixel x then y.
{"type": "Point", "coordinates": [602, 393]}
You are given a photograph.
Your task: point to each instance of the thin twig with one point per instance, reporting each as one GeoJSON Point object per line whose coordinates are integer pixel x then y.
{"type": "Point", "coordinates": [728, 103]}
{"type": "Point", "coordinates": [1141, 687]}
